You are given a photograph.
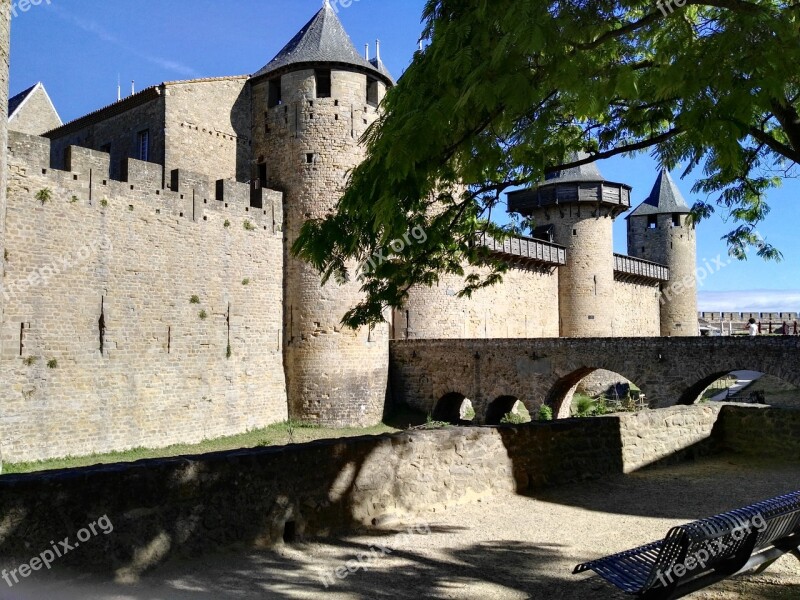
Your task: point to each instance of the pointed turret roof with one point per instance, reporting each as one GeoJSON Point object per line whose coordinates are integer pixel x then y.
{"type": "Point", "coordinates": [665, 198]}
{"type": "Point", "coordinates": [587, 172]}
{"type": "Point", "coordinates": [323, 40]}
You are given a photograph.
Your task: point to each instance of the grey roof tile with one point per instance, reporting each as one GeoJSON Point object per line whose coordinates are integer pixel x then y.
{"type": "Point", "coordinates": [322, 40]}
{"type": "Point", "coordinates": [665, 198]}
{"type": "Point", "coordinates": [587, 172]}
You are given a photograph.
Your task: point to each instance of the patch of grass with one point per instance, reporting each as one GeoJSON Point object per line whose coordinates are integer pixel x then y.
{"type": "Point", "coordinates": [104, 202]}
{"type": "Point", "coordinates": [545, 413]}
{"type": "Point", "coordinates": [30, 360]}
{"type": "Point", "coordinates": [226, 224]}
{"type": "Point", "coordinates": [248, 226]}
{"type": "Point", "coordinates": [279, 434]}
{"type": "Point", "coordinates": [73, 200]}
{"type": "Point", "coordinates": [194, 299]}
{"type": "Point", "coordinates": [246, 281]}
{"type": "Point", "coordinates": [52, 363]}
{"type": "Point", "coordinates": [203, 315]}
{"type": "Point", "coordinates": [586, 406]}
{"type": "Point", "coordinates": [512, 419]}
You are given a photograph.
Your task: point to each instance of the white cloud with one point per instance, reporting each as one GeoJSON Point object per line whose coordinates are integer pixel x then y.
{"type": "Point", "coordinates": [750, 301]}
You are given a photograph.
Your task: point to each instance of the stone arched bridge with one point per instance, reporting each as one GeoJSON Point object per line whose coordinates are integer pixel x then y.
{"type": "Point", "coordinates": [494, 373]}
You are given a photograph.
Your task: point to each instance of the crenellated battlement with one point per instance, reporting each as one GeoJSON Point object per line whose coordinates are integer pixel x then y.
{"type": "Point", "coordinates": [183, 194]}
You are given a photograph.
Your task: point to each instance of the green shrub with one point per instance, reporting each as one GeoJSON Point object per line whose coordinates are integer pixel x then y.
{"type": "Point", "coordinates": [52, 363]}
{"type": "Point", "coordinates": [545, 413]}
{"type": "Point", "coordinates": [203, 315]}
{"type": "Point", "coordinates": [44, 196]}
{"type": "Point", "coordinates": [245, 281]}
{"type": "Point", "coordinates": [512, 419]}
{"type": "Point", "coordinates": [30, 360]}
{"type": "Point", "coordinates": [194, 299]}
{"type": "Point", "coordinates": [248, 226]}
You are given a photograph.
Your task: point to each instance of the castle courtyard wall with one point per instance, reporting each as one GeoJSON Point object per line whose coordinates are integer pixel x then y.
{"type": "Point", "coordinates": [637, 309]}
{"type": "Point", "coordinates": [115, 265]}
{"type": "Point", "coordinates": [524, 305]}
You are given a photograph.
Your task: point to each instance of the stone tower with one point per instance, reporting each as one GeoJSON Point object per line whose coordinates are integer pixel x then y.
{"type": "Point", "coordinates": [660, 230]}
{"type": "Point", "coordinates": [5, 49]}
{"type": "Point", "coordinates": [576, 208]}
{"type": "Point", "coordinates": [311, 104]}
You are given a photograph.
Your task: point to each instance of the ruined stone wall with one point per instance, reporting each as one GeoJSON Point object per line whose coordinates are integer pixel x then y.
{"type": "Point", "coordinates": [119, 131]}
{"type": "Point", "coordinates": [184, 506]}
{"type": "Point", "coordinates": [308, 145]}
{"type": "Point", "coordinates": [36, 116]}
{"type": "Point", "coordinates": [103, 346]}
{"type": "Point", "coordinates": [637, 311]}
{"type": "Point", "coordinates": [208, 127]}
{"type": "Point", "coordinates": [763, 432]}
{"type": "Point", "coordinates": [675, 246]}
{"type": "Point", "coordinates": [524, 305]}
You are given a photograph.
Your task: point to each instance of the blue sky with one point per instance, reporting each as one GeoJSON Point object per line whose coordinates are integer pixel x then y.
{"type": "Point", "coordinates": [78, 48]}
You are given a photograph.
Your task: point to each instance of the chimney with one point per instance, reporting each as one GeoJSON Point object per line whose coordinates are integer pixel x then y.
{"type": "Point", "coordinates": [133, 87]}
{"type": "Point", "coordinates": [378, 50]}
{"type": "Point", "coordinates": [366, 51]}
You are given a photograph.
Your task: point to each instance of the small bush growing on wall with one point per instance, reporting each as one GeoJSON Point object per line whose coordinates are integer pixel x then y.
{"type": "Point", "coordinates": [73, 200]}
{"type": "Point", "coordinates": [104, 202]}
{"type": "Point", "coordinates": [30, 360]}
{"type": "Point", "coordinates": [44, 196]}
{"type": "Point", "coordinates": [545, 413]}
{"type": "Point", "coordinates": [226, 223]}
{"type": "Point", "coordinates": [248, 226]}
{"type": "Point", "coordinates": [245, 281]}
{"type": "Point", "coordinates": [52, 363]}
{"type": "Point", "coordinates": [194, 299]}
{"type": "Point", "coordinates": [203, 315]}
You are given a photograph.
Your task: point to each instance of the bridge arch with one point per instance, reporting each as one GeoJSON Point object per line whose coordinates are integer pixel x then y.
{"type": "Point", "coordinates": [499, 408]}
{"type": "Point", "coordinates": [559, 397]}
{"type": "Point", "coordinates": [692, 394]}
{"type": "Point", "coordinates": [450, 408]}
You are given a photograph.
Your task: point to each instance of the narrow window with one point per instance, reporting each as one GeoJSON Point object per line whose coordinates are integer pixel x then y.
{"type": "Point", "coordinates": [262, 174]}
{"type": "Point", "coordinates": [101, 324]}
{"type": "Point", "coordinates": [676, 220]}
{"type": "Point", "coordinates": [323, 77]}
{"type": "Point", "coordinates": [372, 91]}
{"type": "Point", "coordinates": [310, 159]}
{"type": "Point", "coordinates": [275, 93]}
{"type": "Point", "coordinates": [143, 145]}
{"type": "Point", "coordinates": [652, 222]}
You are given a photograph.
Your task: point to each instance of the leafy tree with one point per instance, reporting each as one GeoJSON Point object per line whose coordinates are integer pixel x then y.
{"type": "Point", "coordinates": [507, 90]}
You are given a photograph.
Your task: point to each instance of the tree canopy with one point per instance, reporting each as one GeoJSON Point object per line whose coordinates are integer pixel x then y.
{"type": "Point", "coordinates": [505, 91]}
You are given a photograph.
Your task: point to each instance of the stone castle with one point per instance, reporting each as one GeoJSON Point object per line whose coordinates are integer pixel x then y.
{"type": "Point", "coordinates": [149, 296]}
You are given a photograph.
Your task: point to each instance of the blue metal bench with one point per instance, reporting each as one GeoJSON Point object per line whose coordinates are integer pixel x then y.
{"type": "Point", "coordinates": [698, 554]}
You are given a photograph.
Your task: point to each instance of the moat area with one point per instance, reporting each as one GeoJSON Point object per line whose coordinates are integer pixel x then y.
{"type": "Point", "coordinates": [503, 547]}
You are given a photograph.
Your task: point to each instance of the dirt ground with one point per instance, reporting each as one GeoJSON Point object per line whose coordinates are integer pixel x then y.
{"type": "Point", "coordinates": [507, 546]}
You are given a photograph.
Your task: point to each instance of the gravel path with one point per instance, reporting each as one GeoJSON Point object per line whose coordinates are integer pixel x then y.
{"type": "Point", "coordinates": [504, 547]}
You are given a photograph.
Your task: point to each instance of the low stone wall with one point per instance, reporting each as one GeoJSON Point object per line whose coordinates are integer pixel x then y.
{"type": "Point", "coordinates": [257, 498]}
{"type": "Point", "coordinates": [668, 435]}
{"type": "Point", "coordinates": [762, 432]}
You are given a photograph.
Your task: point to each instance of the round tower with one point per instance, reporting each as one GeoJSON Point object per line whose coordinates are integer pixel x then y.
{"type": "Point", "coordinates": [5, 47]}
{"type": "Point", "coordinates": [576, 208]}
{"type": "Point", "coordinates": [660, 230]}
{"type": "Point", "coordinates": [311, 104]}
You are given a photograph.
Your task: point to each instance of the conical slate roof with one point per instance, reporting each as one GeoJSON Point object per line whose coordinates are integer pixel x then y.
{"type": "Point", "coordinates": [322, 40]}
{"type": "Point", "coordinates": [665, 198]}
{"type": "Point", "coordinates": [587, 172]}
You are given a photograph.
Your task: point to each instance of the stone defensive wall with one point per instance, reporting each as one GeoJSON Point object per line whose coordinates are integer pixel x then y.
{"type": "Point", "coordinates": [135, 313]}
{"type": "Point", "coordinates": [428, 374]}
{"type": "Point", "coordinates": [187, 506]}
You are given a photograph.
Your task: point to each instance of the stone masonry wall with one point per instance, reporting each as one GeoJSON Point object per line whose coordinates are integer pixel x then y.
{"type": "Point", "coordinates": [524, 305]}
{"type": "Point", "coordinates": [36, 116]}
{"type": "Point", "coordinates": [5, 46]}
{"type": "Point", "coordinates": [761, 432]}
{"type": "Point", "coordinates": [208, 127]}
{"type": "Point", "coordinates": [188, 506]}
{"type": "Point", "coordinates": [636, 310]}
{"type": "Point", "coordinates": [308, 145]}
{"type": "Point", "coordinates": [103, 348]}
{"type": "Point", "coordinates": [119, 132]}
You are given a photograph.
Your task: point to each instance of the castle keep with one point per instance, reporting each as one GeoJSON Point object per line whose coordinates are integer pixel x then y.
{"type": "Point", "coordinates": [149, 296]}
